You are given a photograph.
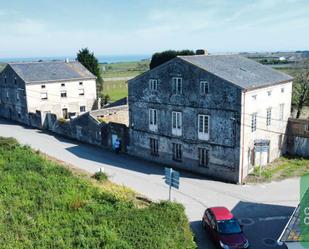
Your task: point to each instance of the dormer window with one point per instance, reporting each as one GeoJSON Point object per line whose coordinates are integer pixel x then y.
{"type": "Point", "coordinates": [153, 84]}
{"type": "Point", "coordinates": [177, 85]}
{"type": "Point", "coordinates": [204, 87]}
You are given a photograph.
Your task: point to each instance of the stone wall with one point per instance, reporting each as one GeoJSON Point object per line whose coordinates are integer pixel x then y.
{"type": "Point", "coordinates": [222, 104]}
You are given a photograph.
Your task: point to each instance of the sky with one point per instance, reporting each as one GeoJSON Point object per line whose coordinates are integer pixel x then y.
{"type": "Point", "coordinates": [31, 28]}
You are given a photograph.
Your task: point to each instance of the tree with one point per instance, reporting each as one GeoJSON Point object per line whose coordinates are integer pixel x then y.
{"type": "Point", "coordinates": [160, 58]}
{"type": "Point", "coordinates": [301, 88]}
{"type": "Point", "coordinates": [89, 61]}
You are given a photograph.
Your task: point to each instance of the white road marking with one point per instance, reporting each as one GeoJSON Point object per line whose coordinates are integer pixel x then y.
{"type": "Point", "coordinates": [274, 218]}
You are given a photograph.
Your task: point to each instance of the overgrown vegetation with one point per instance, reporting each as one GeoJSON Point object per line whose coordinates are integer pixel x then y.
{"type": "Point", "coordinates": [44, 205]}
{"type": "Point", "coordinates": [280, 169]}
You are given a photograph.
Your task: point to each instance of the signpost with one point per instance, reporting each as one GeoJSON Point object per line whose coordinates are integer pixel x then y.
{"type": "Point", "coordinates": [171, 179]}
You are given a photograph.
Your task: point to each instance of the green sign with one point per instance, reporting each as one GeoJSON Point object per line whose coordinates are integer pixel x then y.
{"type": "Point", "coordinates": [304, 209]}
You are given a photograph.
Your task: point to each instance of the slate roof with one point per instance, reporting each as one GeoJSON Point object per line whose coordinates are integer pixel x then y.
{"type": "Point", "coordinates": [241, 71]}
{"type": "Point", "coordinates": [51, 71]}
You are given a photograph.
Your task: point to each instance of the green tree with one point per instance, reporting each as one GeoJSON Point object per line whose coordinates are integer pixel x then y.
{"type": "Point", "coordinates": [89, 61]}
{"type": "Point", "coordinates": [160, 58]}
{"type": "Point", "coordinates": [301, 88]}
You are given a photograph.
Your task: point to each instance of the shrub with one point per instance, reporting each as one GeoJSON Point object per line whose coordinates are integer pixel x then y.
{"type": "Point", "coordinates": [100, 176]}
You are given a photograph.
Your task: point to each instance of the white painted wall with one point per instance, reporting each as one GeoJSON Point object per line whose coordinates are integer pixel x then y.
{"type": "Point", "coordinates": [55, 103]}
{"type": "Point", "coordinates": [259, 105]}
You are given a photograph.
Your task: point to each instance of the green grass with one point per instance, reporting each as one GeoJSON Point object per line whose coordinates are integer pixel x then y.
{"type": "Point", "coordinates": [124, 69]}
{"type": "Point", "coordinates": [44, 205]}
{"type": "Point", "coordinates": [116, 89]}
{"type": "Point", "coordinates": [280, 169]}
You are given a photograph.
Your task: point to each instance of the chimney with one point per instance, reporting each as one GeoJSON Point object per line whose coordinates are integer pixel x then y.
{"type": "Point", "coordinates": [201, 52]}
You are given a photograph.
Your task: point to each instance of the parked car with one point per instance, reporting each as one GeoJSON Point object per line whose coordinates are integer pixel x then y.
{"type": "Point", "coordinates": [224, 229]}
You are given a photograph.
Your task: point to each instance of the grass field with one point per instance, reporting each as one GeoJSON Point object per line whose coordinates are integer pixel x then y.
{"type": "Point", "coordinates": [124, 69]}
{"type": "Point", "coordinates": [282, 168]}
{"type": "Point", "coordinates": [45, 205]}
{"type": "Point", "coordinates": [116, 89]}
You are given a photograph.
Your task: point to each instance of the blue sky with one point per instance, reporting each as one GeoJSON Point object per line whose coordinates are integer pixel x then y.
{"type": "Point", "coordinates": [110, 27]}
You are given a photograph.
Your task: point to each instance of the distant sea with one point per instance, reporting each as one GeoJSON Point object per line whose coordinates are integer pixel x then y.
{"type": "Point", "coordinates": [102, 59]}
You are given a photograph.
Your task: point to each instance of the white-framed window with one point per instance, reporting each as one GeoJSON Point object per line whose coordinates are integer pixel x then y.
{"type": "Point", "coordinates": [80, 83]}
{"type": "Point", "coordinates": [153, 84]}
{"type": "Point", "coordinates": [63, 94]}
{"type": "Point", "coordinates": [81, 92]}
{"type": "Point", "coordinates": [82, 108]}
{"type": "Point", "coordinates": [253, 122]}
{"type": "Point", "coordinates": [281, 112]}
{"type": "Point", "coordinates": [203, 156]}
{"type": "Point", "coordinates": [254, 97]}
{"type": "Point", "coordinates": [204, 87]}
{"type": "Point", "coordinates": [63, 84]}
{"type": "Point", "coordinates": [43, 86]}
{"type": "Point", "coordinates": [282, 89]}
{"type": "Point", "coordinates": [268, 116]}
{"type": "Point", "coordinates": [44, 96]}
{"type": "Point", "coordinates": [269, 93]}
{"type": "Point", "coordinates": [7, 94]}
{"type": "Point", "coordinates": [203, 127]}
{"type": "Point", "coordinates": [17, 96]}
{"type": "Point", "coordinates": [177, 85]}
{"type": "Point", "coordinates": [154, 146]}
{"type": "Point", "coordinates": [177, 152]}
{"type": "Point", "coordinates": [153, 119]}
{"type": "Point", "coordinates": [177, 123]}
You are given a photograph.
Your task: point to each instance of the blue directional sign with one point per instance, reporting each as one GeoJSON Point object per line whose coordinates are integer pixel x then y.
{"type": "Point", "coordinates": [171, 179]}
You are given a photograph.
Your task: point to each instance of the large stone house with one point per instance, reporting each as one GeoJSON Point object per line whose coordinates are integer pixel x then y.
{"type": "Point", "coordinates": [218, 115]}
{"type": "Point", "coordinates": [60, 87]}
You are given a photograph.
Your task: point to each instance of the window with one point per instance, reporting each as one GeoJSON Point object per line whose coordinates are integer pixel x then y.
{"type": "Point", "coordinates": [177, 123]}
{"type": "Point", "coordinates": [65, 113]}
{"type": "Point", "coordinates": [153, 84]}
{"type": "Point", "coordinates": [44, 96]}
{"type": "Point", "coordinates": [153, 119]}
{"type": "Point", "coordinates": [80, 83]}
{"type": "Point", "coordinates": [177, 152]}
{"type": "Point", "coordinates": [63, 94]}
{"type": "Point", "coordinates": [269, 93]}
{"type": "Point", "coordinates": [204, 87]}
{"type": "Point", "coordinates": [280, 141]}
{"type": "Point", "coordinates": [177, 85]}
{"type": "Point", "coordinates": [17, 96]}
{"type": "Point", "coordinates": [203, 155]}
{"type": "Point", "coordinates": [203, 127]}
{"type": "Point", "coordinates": [81, 92]}
{"type": "Point", "coordinates": [7, 94]}
{"type": "Point", "coordinates": [62, 84]}
{"type": "Point", "coordinates": [282, 89]}
{"type": "Point", "coordinates": [5, 79]}
{"type": "Point", "coordinates": [154, 146]}
{"type": "Point", "coordinates": [281, 112]}
{"type": "Point", "coordinates": [307, 128]}
{"type": "Point", "coordinates": [43, 86]}
{"type": "Point", "coordinates": [15, 80]}
{"type": "Point", "coordinates": [268, 116]}
{"type": "Point", "coordinates": [254, 97]}
{"type": "Point", "coordinates": [253, 122]}
{"type": "Point", "coordinates": [82, 108]}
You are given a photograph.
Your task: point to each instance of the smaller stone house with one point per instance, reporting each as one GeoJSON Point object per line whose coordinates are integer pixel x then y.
{"type": "Point", "coordinates": [63, 88]}
{"type": "Point", "coordinates": [298, 137]}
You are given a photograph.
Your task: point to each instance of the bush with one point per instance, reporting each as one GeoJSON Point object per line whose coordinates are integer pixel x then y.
{"type": "Point", "coordinates": [100, 176]}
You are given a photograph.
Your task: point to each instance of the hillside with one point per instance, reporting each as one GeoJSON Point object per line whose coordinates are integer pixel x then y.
{"type": "Point", "coordinates": [45, 205]}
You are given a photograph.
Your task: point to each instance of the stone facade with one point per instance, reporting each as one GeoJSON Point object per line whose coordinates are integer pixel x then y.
{"type": "Point", "coordinates": [223, 102]}
{"type": "Point", "coordinates": [298, 137]}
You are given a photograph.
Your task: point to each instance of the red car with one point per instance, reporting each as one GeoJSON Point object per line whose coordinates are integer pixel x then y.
{"type": "Point", "coordinates": [224, 229]}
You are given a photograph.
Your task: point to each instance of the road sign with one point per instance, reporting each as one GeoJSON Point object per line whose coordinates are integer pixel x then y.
{"type": "Point", "coordinates": [171, 179]}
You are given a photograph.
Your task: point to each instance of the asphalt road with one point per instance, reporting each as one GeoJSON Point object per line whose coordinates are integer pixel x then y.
{"type": "Point", "coordinates": [263, 209]}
